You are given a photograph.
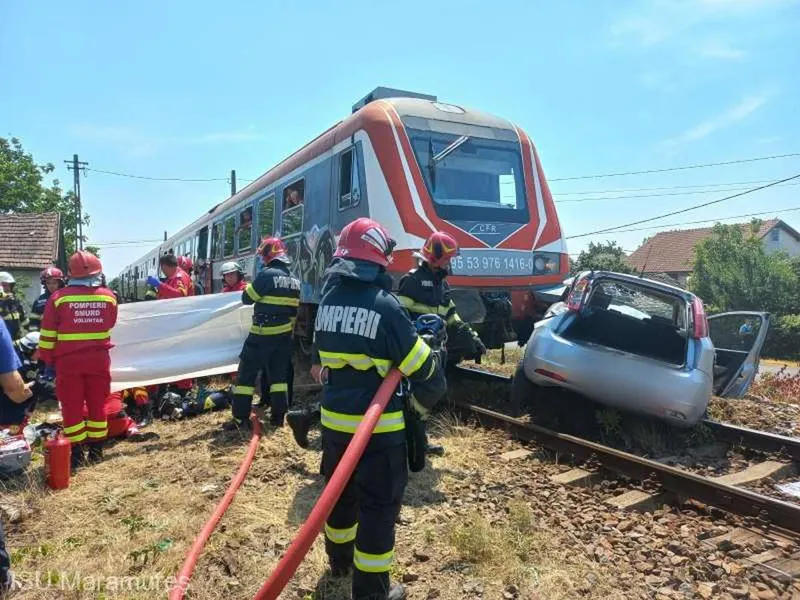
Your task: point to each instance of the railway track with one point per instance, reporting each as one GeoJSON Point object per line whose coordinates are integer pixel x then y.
{"type": "Point", "coordinates": [678, 483]}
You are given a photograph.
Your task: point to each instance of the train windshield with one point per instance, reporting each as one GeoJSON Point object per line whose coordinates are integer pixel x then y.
{"type": "Point", "coordinates": [471, 178]}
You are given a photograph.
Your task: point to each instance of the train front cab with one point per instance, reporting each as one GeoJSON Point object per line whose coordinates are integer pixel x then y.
{"type": "Point", "coordinates": [479, 178]}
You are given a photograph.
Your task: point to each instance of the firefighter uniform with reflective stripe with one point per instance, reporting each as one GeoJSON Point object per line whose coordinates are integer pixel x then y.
{"type": "Point", "coordinates": [275, 294]}
{"type": "Point", "coordinates": [37, 311]}
{"type": "Point", "coordinates": [177, 286]}
{"type": "Point", "coordinates": [76, 340]}
{"type": "Point", "coordinates": [425, 291]}
{"type": "Point", "coordinates": [361, 331]}
{"type": "Point", "coordinates": [13, 313]}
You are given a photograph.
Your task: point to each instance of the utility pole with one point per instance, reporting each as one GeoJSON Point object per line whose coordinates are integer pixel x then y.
{"type": "Point", "coordinates": [76, 167]}
{"type": "Point", "coordinates": [233, 182]}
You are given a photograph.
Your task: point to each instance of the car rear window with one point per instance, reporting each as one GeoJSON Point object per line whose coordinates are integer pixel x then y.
{"type": "Point", "coordinates": [638, 302]}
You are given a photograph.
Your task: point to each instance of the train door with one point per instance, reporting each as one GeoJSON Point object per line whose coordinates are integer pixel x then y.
{"type": "Point", "coordinates": [266, 226]}
{"type": "Point", "coordinates": [244, 239]}
{"type": "Point", "coordinates": [217, 233]}
{"type": "Point", "coordinates": [201, 259]}
{"type": "Point", "coordinates": [294, 199]}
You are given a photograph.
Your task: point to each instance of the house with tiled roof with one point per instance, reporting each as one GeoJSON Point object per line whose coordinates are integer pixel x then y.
{"type": "Point", "coordinates": [28, 244]}
{"type": "Point", "coordinates": [672, 252]}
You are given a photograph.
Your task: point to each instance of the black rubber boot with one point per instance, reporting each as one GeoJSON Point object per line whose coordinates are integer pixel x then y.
{"type": "Point", "coordinates": [341, 568]}
{"type": "Point", "coordinates": [396, 592]}
{"type": "Point", "coordinates": [95, 454]}
{"type": "Point", "coordinates": [241, 425]}
{"type": "Point", "coordinates": [76, 457]}
{"type": "Point", "coordinates": [434, 450]}
{"type": "Point", "coordinates": [299, 422]}
{"type": "Point", "coordinates": [145, 415]}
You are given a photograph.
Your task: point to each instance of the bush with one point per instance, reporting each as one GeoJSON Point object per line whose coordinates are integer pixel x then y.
{"type": "Point", "coordinates": [783, 338]}
{"type": "Point", "coordinates": [778, 387]}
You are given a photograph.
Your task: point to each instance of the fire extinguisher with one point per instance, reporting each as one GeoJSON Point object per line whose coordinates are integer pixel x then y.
{"type": "Point", "coordinates": [58, 452]}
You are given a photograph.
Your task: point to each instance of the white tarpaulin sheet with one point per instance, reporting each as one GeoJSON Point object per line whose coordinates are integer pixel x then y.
{"type": "Point", "coordinates": [169, 340]}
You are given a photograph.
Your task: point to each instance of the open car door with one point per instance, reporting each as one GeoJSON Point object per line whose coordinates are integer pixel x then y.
{"type": "Point", "coordinates": [738, 338]}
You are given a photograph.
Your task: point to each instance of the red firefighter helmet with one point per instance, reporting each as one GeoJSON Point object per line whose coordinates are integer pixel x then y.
{"type": "Point", "coordinates": [438, 250]}
{"type": "Point", "coordinates": [185, 263]}
{"type": "Point", "coordinates": [51, 273]}
{"type": "Point", "coordinates": [84, 264]}
{"type": "Point", "coordinates": [273, 248]}
{"type": "Point", "coordinates": [366, 239]}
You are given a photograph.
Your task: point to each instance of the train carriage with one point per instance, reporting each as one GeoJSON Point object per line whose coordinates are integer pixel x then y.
{"type": "Point", "coordinates": [416, 165]}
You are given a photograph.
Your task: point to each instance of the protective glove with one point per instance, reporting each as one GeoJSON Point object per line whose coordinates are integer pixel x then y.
{"type": "Point", "coordinates": [153, 281]}
{"type": "Point", "coordinates": [480, 347]}
{"type": "Point", "coordinates": [419, 409]}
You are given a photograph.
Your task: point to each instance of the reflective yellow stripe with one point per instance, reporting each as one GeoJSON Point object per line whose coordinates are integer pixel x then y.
{"type": "Point", "coordinates": [273, 330]}
{"type": "Point", "coordinates": [76, 337]}
{"type": "Point", "coordinates": [423, 309]}
{"type": "Point", "coordinates": [360, 362]}
{"type": "Point", "coordinates": [86, 298]}
{"type": "Point", "coordinates": [247, 390]}
{"type": "Point", "coordinates": [97, 424]}
{"type": "Point", "coordinates": [279, 387]}
{"type": "Point", "coordinates": [78, 437]}
{"type": "Point", "coordinates": [341, 536]}
{"type": "Point", "coordinates": [11, 316]}
{"type": "Point", "coordinates": [45, 345]}
{"type": "Point", "coordinates": [415, 358]}
{"type": "Point", "coordinates": [345, 423]}
{"type": "Point", "coordinates": [251, 291]}
{"type": "Point", "coordinates": [373, 563]}
{"type": "Point", "coordinates": [279, 300]}
{"type": "Point", "coordinates": [74, 428]}
{"type": "Point", "coordinates": [48, 333]}
{"type": "Point", "coordinates": [97, 434]}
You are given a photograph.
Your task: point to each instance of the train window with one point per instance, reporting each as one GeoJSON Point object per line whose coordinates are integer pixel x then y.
{"type": "Point", "coordinates": [266, 216]}
{"type": "Point", "coordinates": [349, 188]}
{"type": "Point", "coordinates": [202, 243]}
{"type": "Point", "coordinates": [216, 241]}
{"type": "Point", "coordinates": [292, 214]}
{"type": "Point", "coordinates": [245, 228]}
{"type": "Point", "coordinates": [230, 236]}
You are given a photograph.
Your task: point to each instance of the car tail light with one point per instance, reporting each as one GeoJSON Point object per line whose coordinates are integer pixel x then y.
{"type": "Point", "coordinates": [700, 322]}
{"type": "Point", "coordinates": [578, 294]}
{"type": "Point", "coordinates": [551, 375]}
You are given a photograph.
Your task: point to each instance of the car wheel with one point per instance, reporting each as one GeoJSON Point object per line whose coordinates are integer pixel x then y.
{"type": "Point", "coordinates": [522, 391]}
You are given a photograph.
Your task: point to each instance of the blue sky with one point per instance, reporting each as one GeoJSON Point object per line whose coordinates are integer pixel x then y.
{"type": "Point", "coordinates": [194, 89]}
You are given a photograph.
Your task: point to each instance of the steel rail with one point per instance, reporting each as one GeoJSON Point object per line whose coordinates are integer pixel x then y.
{"type": "Point", "coordinates": [684, 484]}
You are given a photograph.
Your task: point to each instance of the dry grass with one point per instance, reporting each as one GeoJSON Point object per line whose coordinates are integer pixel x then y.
{"type": "Point", "coordinates": [781, 362]}
{"type": "Point", "coordinates": [130, 520]}
{"type": "Point", "coordinates": [493, 361]}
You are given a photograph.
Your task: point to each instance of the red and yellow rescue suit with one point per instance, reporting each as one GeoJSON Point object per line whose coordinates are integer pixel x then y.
{"type": "Point", "coordinates": [119, 423]}
{"type": "Point", "coordinates": [76, 340]}
{"type": "Point", "coordinates": [178, 286]}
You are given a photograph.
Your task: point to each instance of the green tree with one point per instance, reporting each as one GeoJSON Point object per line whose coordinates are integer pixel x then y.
{"type": "Point", "coordinates": [23, 189]}
{"type": "Point", "coordinates": [94, 250]}
{"type": "Point", "coordinates": [607, 256]}
{"type": "Point", "coordinates": [733, 272]}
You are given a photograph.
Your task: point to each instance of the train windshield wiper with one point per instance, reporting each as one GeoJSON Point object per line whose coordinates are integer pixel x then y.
{"type": "Point", "coordinates": [437, 158]}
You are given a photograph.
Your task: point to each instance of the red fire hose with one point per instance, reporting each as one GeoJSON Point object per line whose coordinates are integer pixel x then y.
{"type": "Point", "coordinates": [179, 589]}
{"type": "Point", "coordinates": [322, 509]}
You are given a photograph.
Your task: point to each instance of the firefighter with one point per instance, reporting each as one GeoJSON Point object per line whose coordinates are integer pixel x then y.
{"type": "Point", "coordinates": [424, 290]}
{"type": "Point", "coordinates": [11, 309]}
{"type": "Point", "coordinates": [52, 279]}
{"type": "Point", "coordinates": [233, 277]}
{"type": "Point", "coordinates": [361, 331]}
{"type": "Point", "coordinates": [76, 340]}
{"type": "Point", "coordinates": [14, 415]}
{"type": "Point", "coordinates": [185, 264]}
{"type": "Point", "coordinates": [178, 284]}
{"type": "Point", "coordinates": [268, 348]}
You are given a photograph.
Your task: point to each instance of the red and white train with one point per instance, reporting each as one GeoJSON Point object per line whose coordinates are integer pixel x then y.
{"type": "Point", "coordinates": [416, 165]}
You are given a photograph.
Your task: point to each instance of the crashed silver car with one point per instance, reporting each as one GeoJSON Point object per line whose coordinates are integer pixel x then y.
{"type": "Point", "coordinates": [640, 345]}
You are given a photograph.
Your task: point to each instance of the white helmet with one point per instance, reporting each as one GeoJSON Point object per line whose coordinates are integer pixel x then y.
{"type": "Point", "coordinates": [6, 277]}
{"type": "Point", "coordinates": [231, 267]}
{"type": "Point", "coordinates": [30, 341]}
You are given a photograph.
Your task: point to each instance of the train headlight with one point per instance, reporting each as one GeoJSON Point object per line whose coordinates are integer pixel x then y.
{"type": "Point", "coordinates": [545, 263]}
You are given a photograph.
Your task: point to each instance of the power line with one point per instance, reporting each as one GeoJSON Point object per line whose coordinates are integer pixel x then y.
{"type": "Point", "coordinates": [115, 242]}
{"type": "Point", "coordinates": [632, 197]}
{"type": "Point", "coordinates": [184, 179]}
{"type": "Point", "coordinates": [684, 210]}
{"type": "Point", "coordinates": [669, 187]}
{"type": "Point", "coordinates": [757, 214]}
{"type": "Point", "coordinates": [682, 168]}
